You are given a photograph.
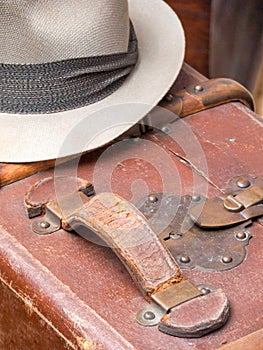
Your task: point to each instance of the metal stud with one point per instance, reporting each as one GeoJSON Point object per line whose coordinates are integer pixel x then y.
{"type": "Point", "coordinates": [176, 235]}
{"type": "Point", "coordinates": [149, 315]}
{"type": "Point", "coordinates": [205, 290]}
{"type": "Point", "coordinates": [243, 182]}
{"type": "Point", "coordinates": [241, 235]}
{"type": "Point", "coordinates": [185, 259]}
{"type": "Point", "coordinates": [227, 259]}
{"type": "Point", "coordinates": [153, 198]}
{"type": "Point", "coordinates": [196, 198]}
{"type": "Point", "coordinates": [169, 98]}
{"type": "Point", "coordinates": [198, 88]}
{"type": "Point", "coordinates": [44, 224]}
{"type": "Point", "coordinates": [166, 129]}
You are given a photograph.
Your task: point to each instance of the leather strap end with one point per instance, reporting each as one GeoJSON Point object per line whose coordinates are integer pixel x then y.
{"type": "Point", "coordinates": [197, 317]}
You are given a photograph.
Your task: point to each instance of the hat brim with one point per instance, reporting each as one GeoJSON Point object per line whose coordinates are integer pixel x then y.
{"type": "Point", "coordinates": [29, 138]}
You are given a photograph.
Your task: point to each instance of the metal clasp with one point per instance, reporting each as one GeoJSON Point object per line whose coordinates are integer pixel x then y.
{"type": "Point", "coordinates": [235, 208]}
{"type": "Point", "coordinates": [245, 199]}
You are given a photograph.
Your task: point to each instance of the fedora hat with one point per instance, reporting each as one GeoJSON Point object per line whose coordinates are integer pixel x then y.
{"type": "Point", "coordinates": [77, 74]}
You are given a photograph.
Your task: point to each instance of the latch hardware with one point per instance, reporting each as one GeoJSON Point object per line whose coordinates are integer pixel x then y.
{"type": "Point", "coordinates": [190, 225]}
{"type": "Point", "coordinates": [195, 223]}
{"type": "Point", "coordinates": [244, 199]}
{"type": "Point", "coordinates": [232, 209]}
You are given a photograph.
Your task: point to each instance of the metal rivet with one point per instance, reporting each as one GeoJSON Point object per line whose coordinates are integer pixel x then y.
{"type": "Point", "coordinates": [241, 235]}
{"type": "Point", "coordinates": [153, 198]}
{"type": "Point", "coordinates": [243, 183]}
{"type": "Point", "coordinates": [227, 259]}
{"type": "Point", "coordinates": [152, 211]}
{"type": "Point", "coordinates": [149, 315]}
{"type": "Point", "coordinates": [185, 259]}
{"type": "Point", "coordinates": [169, 98]}
{"type": "Point", "coordinates": [44, 224]}
{"type": "Point", "coordinates": [198, 88]}
{"type": "Point", "coordinates": [175, 236]}
{"type": "Point", "coordinates": [166, 129]}
{"type": "Point", "coordinates": [205, 291]}
{"type": "Point", "coordinates": [196, 198]}
{"type": "Point", "coordinates": [231, 139]}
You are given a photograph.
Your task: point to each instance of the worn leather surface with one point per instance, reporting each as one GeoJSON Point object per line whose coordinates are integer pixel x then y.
{"type": "Point", "coordinates": [214, 92]}
{"type": "Point", "coordinates": [118, 223]}
{"type": "Point", "coordinates": [198, 316]}
{"type": "Point", "coordinates": [17, 316]}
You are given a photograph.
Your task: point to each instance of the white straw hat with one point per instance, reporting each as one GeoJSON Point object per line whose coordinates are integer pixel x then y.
{"type": "Point", "coordinates": [92, 46]}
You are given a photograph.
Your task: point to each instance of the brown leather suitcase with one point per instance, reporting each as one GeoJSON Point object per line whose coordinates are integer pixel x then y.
{"type": "Point", "coordinates": [59, 291]}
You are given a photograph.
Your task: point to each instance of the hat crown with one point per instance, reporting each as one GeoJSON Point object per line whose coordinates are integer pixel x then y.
{"type": "Point", "coordinates": [44, 31]}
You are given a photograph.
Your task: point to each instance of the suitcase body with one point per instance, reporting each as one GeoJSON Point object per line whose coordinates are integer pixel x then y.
{"type": "Point", "coordinates": [60, 291]}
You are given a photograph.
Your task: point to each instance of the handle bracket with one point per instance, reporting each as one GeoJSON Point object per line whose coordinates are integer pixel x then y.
{"type": "Point", "coordinates": [206, 95]}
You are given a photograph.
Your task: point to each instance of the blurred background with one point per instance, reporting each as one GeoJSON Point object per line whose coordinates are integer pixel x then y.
{"type": "Point", "coordinates": [225, 39]}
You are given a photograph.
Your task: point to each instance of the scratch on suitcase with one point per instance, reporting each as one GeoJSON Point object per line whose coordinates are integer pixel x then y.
{"type": "Point", "coordinates": [188, 163]}
{"type": "Point", "coordinates": [29, 306]}
{"type": "Point", "coordinates": [33, 308]}
{"type": "Point", "coordinates": [85, 344]}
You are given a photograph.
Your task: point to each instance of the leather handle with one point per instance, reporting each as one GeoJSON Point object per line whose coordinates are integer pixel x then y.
{"type": "Point", "coordinates": [121, 226]}
{"type": "Point", "coordinates": [124, 228]}
{"type": "Point", "coordinates": [205, 95]}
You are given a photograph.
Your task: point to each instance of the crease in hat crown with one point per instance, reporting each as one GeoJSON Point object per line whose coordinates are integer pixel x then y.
{"type": "Point", "coordinates": [42, 31]}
